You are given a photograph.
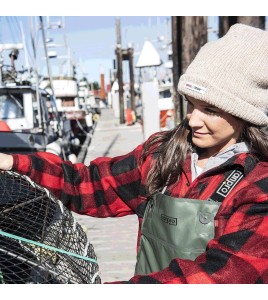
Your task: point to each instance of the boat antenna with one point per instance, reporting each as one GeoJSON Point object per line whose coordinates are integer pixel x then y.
{"type": "Point", "coordinates": [25, 49]}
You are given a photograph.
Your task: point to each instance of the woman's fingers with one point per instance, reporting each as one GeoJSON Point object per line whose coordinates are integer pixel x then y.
{"type": "Point", "coordinates": [6, 162]}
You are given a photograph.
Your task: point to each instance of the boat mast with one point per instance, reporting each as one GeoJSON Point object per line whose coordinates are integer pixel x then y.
{"type": "Point", "coordinates": [50, 76]}
{"type": "Point", "coordinates": [39, 116]}
{"type": "Point", "coordinates": [25, 50]}
{"type": "Point", "coordinates": [46, 54]}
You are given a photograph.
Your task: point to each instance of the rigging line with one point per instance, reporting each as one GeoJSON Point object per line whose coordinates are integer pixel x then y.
{"type": "Point", "coordinates": [16, 237]}
{"type": "Point", "coordinates": [28, 40]}
{"type": "Point", "coordinates": [10, 26]}
{"type": "Point", "coordinates": [14, 27]}
{"type": "Point", "coordinates": [16, 22]}
{"type": "Point", "coordinates": [14, 35]}
{"type": "Point", "coordinates": [32, 32]}
{"type": "Point", "coordinates": [21, 30]}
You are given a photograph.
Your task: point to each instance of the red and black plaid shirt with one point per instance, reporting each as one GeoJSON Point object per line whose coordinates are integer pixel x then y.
{"type": "Point", "coordinates": [114, 187]}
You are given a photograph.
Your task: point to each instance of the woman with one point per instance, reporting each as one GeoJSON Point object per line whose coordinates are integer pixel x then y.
{"type": "Point", "coordinates": [200, 190]}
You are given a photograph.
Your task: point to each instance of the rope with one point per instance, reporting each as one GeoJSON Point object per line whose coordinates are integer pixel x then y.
{"type": "Point", "coordinates": [45, 246]}
{"type": "Point", "coordinates": [81, 127]}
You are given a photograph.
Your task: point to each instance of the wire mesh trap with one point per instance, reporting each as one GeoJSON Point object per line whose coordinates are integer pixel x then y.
{"type": "Point", "coordinates": [40, 241]}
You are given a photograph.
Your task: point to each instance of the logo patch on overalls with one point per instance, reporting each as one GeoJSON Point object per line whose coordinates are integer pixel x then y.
{"type": "Point", "coordinates": [169, 220]}
{"type": "Point", "coordinates": [230, 182]}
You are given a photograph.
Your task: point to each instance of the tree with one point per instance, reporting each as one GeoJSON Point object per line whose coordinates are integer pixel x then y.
{"type": "Point", "coordinates": [83, 79]}
{"type": "Point", "coordinates": [96, 85]}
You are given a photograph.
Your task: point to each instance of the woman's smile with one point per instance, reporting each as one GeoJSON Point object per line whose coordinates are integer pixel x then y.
{"type": "Point", "coordinates": [213, 130]}
{"type": "Point", "coordinates": [197, 133]}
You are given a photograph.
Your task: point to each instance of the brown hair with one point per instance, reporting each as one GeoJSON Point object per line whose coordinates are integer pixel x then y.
{"type": "Point", "coordinates": [170, 149]}
{"type": "Point", "coordinates": [257, 139]}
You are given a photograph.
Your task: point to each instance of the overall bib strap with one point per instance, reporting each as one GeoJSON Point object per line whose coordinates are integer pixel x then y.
{"type": "Point", "coordinates": [179, 227]}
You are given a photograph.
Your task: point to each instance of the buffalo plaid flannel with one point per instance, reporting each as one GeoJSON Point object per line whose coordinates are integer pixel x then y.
{"type": "Point", "coordinates": [114, 187]}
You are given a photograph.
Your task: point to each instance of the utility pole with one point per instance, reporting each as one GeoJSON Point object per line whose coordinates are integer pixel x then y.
{"type": "Point", "coordinates": [120, 71]}
{"type": "Point", "coordinates": [189, 34]}
{"type": "Point", "coordinates": [226, 22]}
{"type": "Point", "coordinates": [114, 70]}
{"type": "Point", "coordinates": [194, 32]}
{"type": "Point", "coordinates": [176, 24]}
{"type": "Point", "coordinates": [131, 78]}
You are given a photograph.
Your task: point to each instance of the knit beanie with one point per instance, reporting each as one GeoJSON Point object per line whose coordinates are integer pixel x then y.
{"type": "Point", "coordinates": [231, 73]}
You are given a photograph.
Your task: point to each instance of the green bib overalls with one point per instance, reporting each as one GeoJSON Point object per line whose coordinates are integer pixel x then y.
{"type": "Point", "coordinates": [178, 227]}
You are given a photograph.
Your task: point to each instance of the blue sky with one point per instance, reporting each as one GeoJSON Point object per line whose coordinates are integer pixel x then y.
{"type": "Point", "coordinates": [92, 40]}
{"type": "Point", "coordinates": [99, 38]}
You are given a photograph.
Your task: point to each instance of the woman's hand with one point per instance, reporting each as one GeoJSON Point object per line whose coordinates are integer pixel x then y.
{"type": "Point", "coordinates": [6, 162]}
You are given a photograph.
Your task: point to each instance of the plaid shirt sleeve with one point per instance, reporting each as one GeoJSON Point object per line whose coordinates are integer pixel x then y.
{"type": "Point", "coordinates": [108, 187]}
{"type": "Point", "coordinates": [113, 187]}
{"type": "Point", "coordinates": [239, 252]}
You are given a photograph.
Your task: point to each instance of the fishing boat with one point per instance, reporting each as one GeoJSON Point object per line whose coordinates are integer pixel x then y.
{"type": "Point", "coordinates": [90, 102]}
{"type": "Point", "coordinates": [71, 110]}
{"type": "Point", "coordinates": [71, 105]}
{"type": "Point", "coordinates": [29, 113]}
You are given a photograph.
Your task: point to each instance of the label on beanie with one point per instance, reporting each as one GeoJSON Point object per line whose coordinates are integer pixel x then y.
{"type": "Point", "coordinates": [196, 88]}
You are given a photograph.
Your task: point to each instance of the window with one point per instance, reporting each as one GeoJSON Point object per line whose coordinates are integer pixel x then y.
{"type": "Point", "coordinates": [165, 94]}
{"type": "Point", "coordinates": [11, 106]}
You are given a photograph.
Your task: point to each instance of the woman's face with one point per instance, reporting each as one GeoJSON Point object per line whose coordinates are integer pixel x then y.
{"type": "Point", "coordinates": [212, 129]}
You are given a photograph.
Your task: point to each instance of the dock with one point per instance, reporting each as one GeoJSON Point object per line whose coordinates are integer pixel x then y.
{"type": "Point", "coordinates": [114, 239]}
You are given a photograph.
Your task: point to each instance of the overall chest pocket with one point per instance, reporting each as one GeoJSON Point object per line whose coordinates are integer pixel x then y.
{"type": "Point", "coordinates": [175, 227]}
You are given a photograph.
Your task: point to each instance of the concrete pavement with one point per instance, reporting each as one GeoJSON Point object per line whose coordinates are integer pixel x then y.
{"type": "Point", "coordinates": [114, 239]}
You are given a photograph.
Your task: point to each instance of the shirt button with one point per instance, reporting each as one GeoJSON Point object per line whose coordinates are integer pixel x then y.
{"type": "Point", "coordinates": [188, 183]}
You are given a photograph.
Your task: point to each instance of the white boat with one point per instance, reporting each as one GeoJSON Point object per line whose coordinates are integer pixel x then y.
{"type": "Point", "coordinates": [73, 113]}
{"type": "Point", "coordinates": [29, 113]}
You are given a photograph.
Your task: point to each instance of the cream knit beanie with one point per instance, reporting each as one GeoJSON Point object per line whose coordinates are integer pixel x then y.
{"type": "Point", "coordinates": [231, 73]}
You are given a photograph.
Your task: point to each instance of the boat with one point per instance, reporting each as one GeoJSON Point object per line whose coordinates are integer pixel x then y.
{"type": "Point", "coordinates": [71, 99]}
{"type": "Point", "coordinates": [30, 114]}
{"type": "Point", "coordinates": [89, 102]}
{"type": "Point", "coordinates": [73, 112]}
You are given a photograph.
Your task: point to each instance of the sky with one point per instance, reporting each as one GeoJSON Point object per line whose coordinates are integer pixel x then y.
{"type": "Point", "coordinates": [92, 39]}
{"type": "Point", "coordinates": [89, 40]}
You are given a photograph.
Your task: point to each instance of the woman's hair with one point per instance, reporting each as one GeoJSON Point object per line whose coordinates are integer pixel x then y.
{"type": "Point", "coordinates": [169, 150]}
{"type": "Point", "coordinates": [257, 139]}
